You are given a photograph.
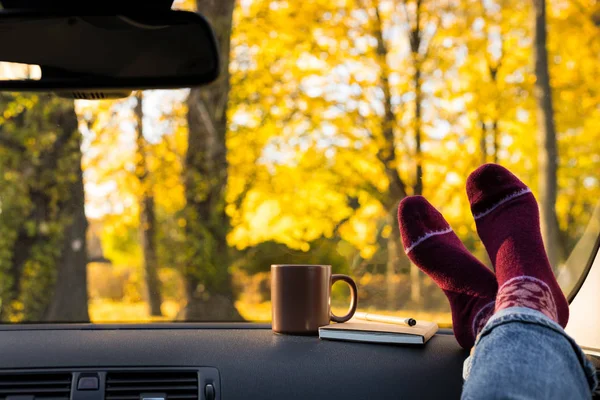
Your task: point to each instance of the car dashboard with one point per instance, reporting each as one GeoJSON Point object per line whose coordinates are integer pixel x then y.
{"type": "Point", "coordinates": [217, 361]}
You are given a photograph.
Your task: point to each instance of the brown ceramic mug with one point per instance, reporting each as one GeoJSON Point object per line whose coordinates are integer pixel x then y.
{"type": "Point", "coordinates": [300, 298]}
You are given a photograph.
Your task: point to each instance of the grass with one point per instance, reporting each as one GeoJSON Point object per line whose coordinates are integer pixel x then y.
{"type": "Point", "coordinates": [104, 311]}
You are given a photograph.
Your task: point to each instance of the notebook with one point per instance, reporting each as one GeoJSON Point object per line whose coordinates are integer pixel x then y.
{"type": "Point", "coordinates": [376, 332]}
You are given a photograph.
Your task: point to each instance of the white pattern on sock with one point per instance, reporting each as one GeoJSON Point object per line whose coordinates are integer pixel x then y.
{"type": "Point", "coordinates": [504, 200]}
{"type": "Point", "coordinates": [527, 291]}
{"type": "Point", "coordinates": [425, 237]}
{"type": "Point", "coordinates": [524, 278]}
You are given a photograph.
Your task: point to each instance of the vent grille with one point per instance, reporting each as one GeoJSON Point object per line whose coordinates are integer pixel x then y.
{"type": "Point", "coordinates": [89, 95]}
{"type": "Point", "coordinates": [176, 385]}
{"type": "Point", "coordinates": [93, 94]}
{"type": "Point", "coordinates": [50, 386]}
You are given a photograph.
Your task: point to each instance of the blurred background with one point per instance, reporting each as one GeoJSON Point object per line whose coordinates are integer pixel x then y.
{"type": "Point", "coordinates": [172, 205]}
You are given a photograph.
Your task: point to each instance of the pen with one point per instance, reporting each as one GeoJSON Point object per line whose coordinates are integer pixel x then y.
{"type": "Point", "coordinates": [385, 319]}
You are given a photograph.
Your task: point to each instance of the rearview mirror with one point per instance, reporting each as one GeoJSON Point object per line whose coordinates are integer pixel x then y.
{"type": "Point", "coordinates": [110, 53]}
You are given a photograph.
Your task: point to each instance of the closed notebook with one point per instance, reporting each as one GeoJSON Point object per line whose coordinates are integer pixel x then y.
{"type": "Point", "coordinates": [376, 332]}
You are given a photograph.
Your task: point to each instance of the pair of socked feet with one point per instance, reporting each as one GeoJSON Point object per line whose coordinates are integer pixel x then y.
{"type": "Point", "coordinates": [507, 220]}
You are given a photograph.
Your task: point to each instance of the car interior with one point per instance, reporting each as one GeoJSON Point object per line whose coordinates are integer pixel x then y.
{"type": "Point", "coordinates": [156, 160]}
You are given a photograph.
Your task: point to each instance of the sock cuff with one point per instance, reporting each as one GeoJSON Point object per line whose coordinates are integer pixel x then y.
{"type": "Point", "coordinates": [482, 316]}
{"type": "Point", "coordinates": [516, 279]}
{"type": "Point", "coordinates": [502, 201]}
{"type": "Point", "coordinates": [527, 291]}
{"type": "Point", "coordinates": [426, 236]}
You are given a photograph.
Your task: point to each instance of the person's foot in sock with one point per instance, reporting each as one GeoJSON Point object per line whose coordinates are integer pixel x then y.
{"type": "Point", "coordinates": [431, 244]}
{"type": "Point", "coordinates": [508, 223]}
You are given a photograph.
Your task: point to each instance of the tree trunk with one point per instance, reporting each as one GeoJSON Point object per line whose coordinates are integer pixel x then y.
{"type": "Point", "coordinates": [548, 153]}
{"type": "Point", "coordinates": [418, 188]}
{"type": "Point", "coordinates": [595, 16]}
{"type": "Point", "coordinates": [387, 156]}
{"type": "Point", "coordinates": [483, 141]}
{"type": "Point", "coordinates": [70, 300]}
{"type": "Point", "coordinates": [415, 273]}
{"type": "Point", "coordinates": [415, 36]}
{"type": "Point", "coordinates": [148, 228]}
{"type": "Point", "coordinates": [495, 136]}
{"type": "Point", "coordinates": [208, 283]}
{"type": "Point", "coordinates": [397, 261]}
{"type": "Point", "coordinates": [147, 216]}
{"type": "Point", "coordinates": [46, 279]}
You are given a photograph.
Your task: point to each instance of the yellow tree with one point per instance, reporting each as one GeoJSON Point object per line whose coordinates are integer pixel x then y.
{"type": "Point", "coordinates": [548, 152]}
{"type": "Point", "coordinates": [574, 47]}
{"type": "Point", "coordinates": [139, 186]}
{"type": "Point", "coordinates": [325, 99]}
{"type": "Point", "coordinates": [508, 101]}
{"type": "Point", "coordinates": [43, 247]}
{"type": "Point", "coordinates": [338, 88]}
{"type": "Point", "coordinates": [208, 283]}
{"type": "Point", "coordinates": [147, 212]}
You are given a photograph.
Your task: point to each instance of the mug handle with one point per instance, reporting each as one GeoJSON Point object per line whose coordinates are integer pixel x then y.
{"type": "Point", "coordinates": [353, 295]}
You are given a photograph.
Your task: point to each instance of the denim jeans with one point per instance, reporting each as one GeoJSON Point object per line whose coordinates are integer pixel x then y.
{"type": "Point", "coordinates": [522, 354]}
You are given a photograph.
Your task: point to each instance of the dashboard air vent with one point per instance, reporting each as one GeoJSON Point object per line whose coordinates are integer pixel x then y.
{"type": "Point", "coordinates": [135, 385]}
{"type": "Point", "coordinates": [89, 95]}
{"type": "Point", "coordinates": [48, 386]}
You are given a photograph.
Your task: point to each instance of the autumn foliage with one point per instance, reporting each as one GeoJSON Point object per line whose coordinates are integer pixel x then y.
{"type": "Point", "coordinates": [326, 115]}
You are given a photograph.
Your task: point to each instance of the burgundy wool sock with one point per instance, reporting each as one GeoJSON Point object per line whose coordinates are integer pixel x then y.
{"type": "Point", "coordinates": [508, 223]}
{"type": "Point", "coordinates": [431, 244]}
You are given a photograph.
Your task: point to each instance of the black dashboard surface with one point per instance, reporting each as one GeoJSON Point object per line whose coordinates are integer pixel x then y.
{"type": "Point", "coordinates": [253, 363]}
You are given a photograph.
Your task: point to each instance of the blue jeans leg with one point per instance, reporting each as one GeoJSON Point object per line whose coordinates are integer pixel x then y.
{"type": "Point", "coordinates": [522, 354]}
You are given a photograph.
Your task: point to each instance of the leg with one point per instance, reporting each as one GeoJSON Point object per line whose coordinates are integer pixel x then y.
{"type": "Point", "coordinates": [523, 351]}
{"type": "Point", "coordinates": [523, 354]}
{"type": "Point", "coordinates": [508, 223]}
{"type": "Point", "coordinates": [431, 244]}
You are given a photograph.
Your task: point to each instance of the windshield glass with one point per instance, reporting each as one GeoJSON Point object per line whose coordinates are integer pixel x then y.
{"type": "Point", "coordinates": [172, 205]}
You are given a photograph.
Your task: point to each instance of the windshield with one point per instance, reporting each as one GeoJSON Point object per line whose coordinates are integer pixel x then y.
{"type": "Point", "coordinates": [172, 205]}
